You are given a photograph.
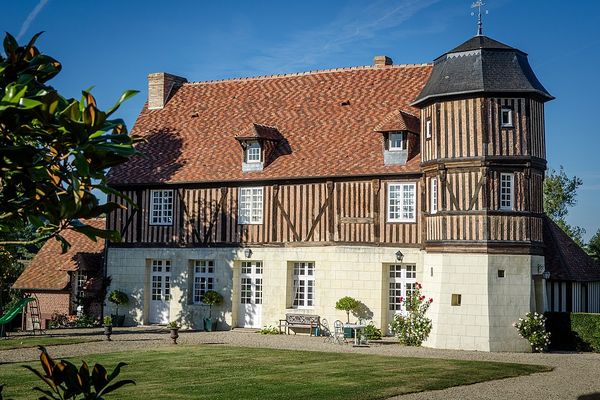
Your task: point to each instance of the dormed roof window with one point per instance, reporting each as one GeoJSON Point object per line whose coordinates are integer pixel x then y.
{"type": "Point", "coordinates": [259, 144]}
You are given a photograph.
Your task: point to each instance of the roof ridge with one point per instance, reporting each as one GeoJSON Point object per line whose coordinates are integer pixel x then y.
{"type": "Point", "coordinates": [313, 72]}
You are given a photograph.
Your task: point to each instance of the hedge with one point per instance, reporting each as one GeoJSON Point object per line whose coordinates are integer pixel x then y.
{"type": "Point", "coordinates": [574, 331]}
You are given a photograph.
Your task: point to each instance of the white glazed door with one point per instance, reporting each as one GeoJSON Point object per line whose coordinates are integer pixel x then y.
{"type": "Point", "coordinates": [402, 281]}
{"type": "Point", "coordinates": [251, 289]}
{"type": "Point", "coordinates": [160, 292]}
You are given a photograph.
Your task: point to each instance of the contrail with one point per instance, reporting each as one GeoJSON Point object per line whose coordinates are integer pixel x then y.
{"type": "Point", "coordinates": [31, 17]}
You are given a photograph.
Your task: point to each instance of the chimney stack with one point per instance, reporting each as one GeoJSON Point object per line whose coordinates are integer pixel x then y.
{"type": "Point", "coordinates": [161, 86]}
{"type": "Point", "coordinates": [382, 61]}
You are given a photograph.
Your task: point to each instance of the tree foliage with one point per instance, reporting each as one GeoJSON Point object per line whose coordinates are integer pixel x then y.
{"type": "Point", "coordinates": [560, 194]}
{"type": "Point", "coordinates": [593, 247]}
{"type": "Point", "coordinates": [11, 263]}
{"type": "Point", "coordinates": [54, 151]}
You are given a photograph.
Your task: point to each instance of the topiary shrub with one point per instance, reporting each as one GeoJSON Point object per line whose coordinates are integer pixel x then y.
{"type": "Point", "coordinates": [347, 304]}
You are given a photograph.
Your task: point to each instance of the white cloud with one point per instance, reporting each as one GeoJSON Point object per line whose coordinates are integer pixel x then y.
{"type": "Point", "coordinates": [351, 27]}
{"type": "Point", "coordinates": [31, 17]}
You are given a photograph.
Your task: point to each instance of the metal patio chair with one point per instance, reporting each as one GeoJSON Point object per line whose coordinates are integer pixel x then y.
{"type": "Point", "coordinates": [338, 332]}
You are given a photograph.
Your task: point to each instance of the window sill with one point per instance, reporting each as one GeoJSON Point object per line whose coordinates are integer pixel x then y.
{"type": "Point", "coordinates": [250, 223]}
{"type": "Point", "coordinates": [399, 221]}
{"type": "Point", "coordinates": [157, 224]}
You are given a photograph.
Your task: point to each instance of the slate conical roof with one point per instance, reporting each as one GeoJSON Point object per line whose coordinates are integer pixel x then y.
{"type": "Point", "coordinates": [481, 65]}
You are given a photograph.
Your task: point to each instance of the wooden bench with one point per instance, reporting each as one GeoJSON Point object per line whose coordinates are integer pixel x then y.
{"type": "Point", "coordinates": [305, 321]}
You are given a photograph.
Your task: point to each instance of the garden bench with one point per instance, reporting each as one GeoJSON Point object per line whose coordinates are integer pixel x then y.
{"type": "Point", "coordinates": [305, 321]}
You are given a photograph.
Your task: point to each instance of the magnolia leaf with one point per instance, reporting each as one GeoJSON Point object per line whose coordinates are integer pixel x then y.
{"type": "Point", "coordinates": [126, 95]}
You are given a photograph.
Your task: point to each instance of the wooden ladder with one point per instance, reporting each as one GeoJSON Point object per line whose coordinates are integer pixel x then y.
{"type": "Point", "coordinates": [34, 314]}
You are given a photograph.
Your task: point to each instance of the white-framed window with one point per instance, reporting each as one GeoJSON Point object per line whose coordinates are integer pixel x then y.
{"type": "Point", "coordinates": [81, 279]}
{"type": "Point", "coordinates": [506, 118]}
{"type": "Point", "coordinates": [396, 141]}
{"type": "Point", "coordinates": [428, 129]}
{"type": "Point", "coordinates": [434, 196]}
{"type": "Point", "coordinates": [204, 278]}
{"type": "Point", "coordinates": [304, 285]}
{"type": "Point", "coordinates": [250, 206]}
{"type": "Point", "coordinates": [402, 282]}
{"type": "Point", "coordinates": [161, 207]}
{"type": "Point", "coordinates": [253, 153]}
{"type": "Point", "coordinates": [507, 191]}
{"type": "Point", "coordinates": [401, 202]}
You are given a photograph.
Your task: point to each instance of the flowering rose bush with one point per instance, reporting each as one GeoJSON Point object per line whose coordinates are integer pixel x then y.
{"type": "Point", "coordinates": [413, 327]}
{"type": "Point", "coordinates": [533, 328]}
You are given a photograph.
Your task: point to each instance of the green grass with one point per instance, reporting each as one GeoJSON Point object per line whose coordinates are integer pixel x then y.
{"type": "Point", "coordinates": [21, 342]}
{"type": "Point", "coordinates": [220, 372]}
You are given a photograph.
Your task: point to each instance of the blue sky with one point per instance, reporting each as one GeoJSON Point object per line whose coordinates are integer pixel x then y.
{"type": "Point", "coordinates": [113, 45]}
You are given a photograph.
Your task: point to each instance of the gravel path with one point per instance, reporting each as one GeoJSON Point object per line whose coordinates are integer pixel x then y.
{"type": "Point", "coordinates": [575, 376]}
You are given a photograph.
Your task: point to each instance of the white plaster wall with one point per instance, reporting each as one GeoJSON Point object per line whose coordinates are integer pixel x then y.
{"type": "Point", "coordinates": [340, 271]}
{"type": "Point", "coordinates": [483, 321]}
{"type": "Point", "coordinates": [489, 304]}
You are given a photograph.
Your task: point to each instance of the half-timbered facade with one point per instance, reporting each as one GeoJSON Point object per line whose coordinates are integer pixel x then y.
{"type": "Point", "coordinates": [288, 192]}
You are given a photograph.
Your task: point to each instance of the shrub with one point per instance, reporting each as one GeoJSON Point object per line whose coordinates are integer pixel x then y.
{"type": "Point", "coordinates": [347, 304]}
{"type": "Point", "coordinates": [413, 327]}
{"type": "Point", "coordinates": [118, 298]}
{"type": "Point", "coordinates": [173, 325]}
{"type": "Point", "coordinates": [372, 332]}
{"type": "Point", "coordinates": [211, 298]}
{"type": "Point", "coordinates": [587, 328]}
{"type": "Point", "coordinates": [269, 330]}
{"type": "Point", "coordinates": [533, 329]}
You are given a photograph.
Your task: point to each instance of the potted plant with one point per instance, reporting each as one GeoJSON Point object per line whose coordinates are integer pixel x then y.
{"type": "Point", "coordinates": [108, 327]}
{"type": "Point", "coordinates": [211, 298]}
{"type": "Point", "coordinates": [347, 304]}
{"type": "Point", "coordinates": [118, 298]}
{"type": "Point", "coordinates": [174, 329]}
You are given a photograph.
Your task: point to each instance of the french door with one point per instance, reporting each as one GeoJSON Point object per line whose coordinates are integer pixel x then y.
{"type": "Point", "coordinates": [160, 291]}
{"type": "Point", "coordinates": [402, 281]}
{"type": "Point", "coordinates": [251, 290]}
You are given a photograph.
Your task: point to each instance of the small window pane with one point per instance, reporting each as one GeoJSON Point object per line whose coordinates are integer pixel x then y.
{"type": "Point", "coordinates": [161, 204]}
{"type": "Point", "coordinates": [396, 141]}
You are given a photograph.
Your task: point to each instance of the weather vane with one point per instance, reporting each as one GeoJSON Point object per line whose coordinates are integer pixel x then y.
{"type": "Point", "coordinates": [478, 4]}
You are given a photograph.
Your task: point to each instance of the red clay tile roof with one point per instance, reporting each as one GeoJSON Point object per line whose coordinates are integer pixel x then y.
{"type": "Point", "coordinates": [565, 259]}
{"type": "Point", "coordinates": [399, 120]}
{"type": "Point", "coordinates": [49, 269]}
{"type": "Point", "coordinates": [193, 137]}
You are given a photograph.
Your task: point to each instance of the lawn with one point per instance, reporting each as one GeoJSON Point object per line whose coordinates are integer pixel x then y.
{"type": "Point", "coordinates": [21, 342]}
{"type": "Point", "coordinates": [220, 372]}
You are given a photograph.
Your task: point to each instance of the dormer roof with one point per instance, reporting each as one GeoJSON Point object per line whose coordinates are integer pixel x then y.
{"type": "Point", "coordinates": [260, 132]}
{"type": "Point", "coordinates": [399, 120]}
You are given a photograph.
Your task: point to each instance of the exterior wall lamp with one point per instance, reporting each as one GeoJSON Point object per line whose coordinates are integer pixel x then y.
{"type": "Point", "coordinates": [399, 256]}
{"type": "Point", "coordinates": [546, 275]}
{"type": "Point", "coordinates": [248, 253]}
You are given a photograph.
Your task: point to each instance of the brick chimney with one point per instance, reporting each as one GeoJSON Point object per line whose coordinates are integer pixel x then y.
{"type": "Point", "coordinates": [161, 86]}
{"type": "Point", "coordinates": [382, 61]}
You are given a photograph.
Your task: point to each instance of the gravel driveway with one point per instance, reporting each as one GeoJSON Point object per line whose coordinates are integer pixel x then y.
{"type": "Point", "coordinates": [575, 376]}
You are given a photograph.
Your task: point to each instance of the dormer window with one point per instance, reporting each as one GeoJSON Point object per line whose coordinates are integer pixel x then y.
{"type": "Point", "coordinates": [396, 141]}
{"type": "Point", "coordinates": [253, 153]}
{"type": "Point", "coordinates": [506, 118]}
